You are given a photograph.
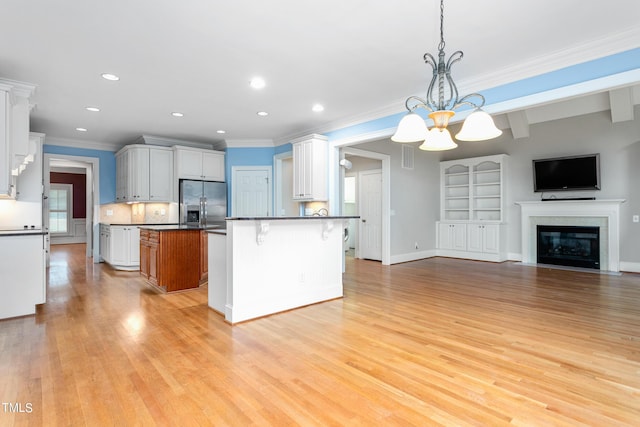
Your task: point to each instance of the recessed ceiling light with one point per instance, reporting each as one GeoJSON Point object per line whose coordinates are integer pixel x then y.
{"type": "Point", "coordinates": [317, 108]}
{"type": "Point", "coordinates": [81, 129]}
{"type": "Point", "coordinates": [262, 113]}
{"type": "Point", "coordinates": [258, 83]}
{"type": "Point", "coordinates": [94, 109]}
{"type": "Point", "coordinates": [221, 131]}
{"type": "Point", "coordinates": [109, 76]}
{"type": "Point", "coordinates": [177, 114]}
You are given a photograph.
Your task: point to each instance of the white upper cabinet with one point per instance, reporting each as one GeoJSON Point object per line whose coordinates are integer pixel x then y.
{"type": "Point", "coordinates": [17, 150]}
{"type": "Point", "coordinates": [310, 156]}
{"type": "Point", "coordinates": [194, 163]}
{"type": "Point", "coordinates": [144, 174]}
{"type": "Point", "coordinates": [161, 175]}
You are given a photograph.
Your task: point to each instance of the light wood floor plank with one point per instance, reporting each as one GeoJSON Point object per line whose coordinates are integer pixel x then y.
{"type": "Point", "coordinates": [432, 342]}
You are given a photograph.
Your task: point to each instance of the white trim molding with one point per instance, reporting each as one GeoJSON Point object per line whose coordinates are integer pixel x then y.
{"type": "Point", "coordinates": [603, 212]}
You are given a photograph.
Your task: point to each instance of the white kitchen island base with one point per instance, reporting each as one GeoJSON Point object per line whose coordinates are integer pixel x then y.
{"type": "Point", "coordinates": [275, 264]}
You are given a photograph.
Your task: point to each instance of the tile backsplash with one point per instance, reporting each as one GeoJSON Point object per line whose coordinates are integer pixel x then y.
{"type": "Point", "coordinates": [139, 213]}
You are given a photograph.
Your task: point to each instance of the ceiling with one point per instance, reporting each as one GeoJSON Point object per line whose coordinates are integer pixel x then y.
{"type": "Point", "coordinates": [358, 58]}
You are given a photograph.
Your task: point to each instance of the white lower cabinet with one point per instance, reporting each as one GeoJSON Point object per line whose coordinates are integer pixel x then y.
{"type": "Point", "coordinates": [452, 236]}
{"type": "Point", "coordinates": [472, 240]}
{"type": "Point", "coordinates": [483, 238]}
{"type": "Point", "coordinates": [120, 246]}
{"type": "Point", "coordinates": [23, 274]}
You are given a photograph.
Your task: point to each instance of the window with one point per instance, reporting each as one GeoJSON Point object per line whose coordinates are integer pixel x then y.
{"type": "Point", "coordinates": [60, 208]}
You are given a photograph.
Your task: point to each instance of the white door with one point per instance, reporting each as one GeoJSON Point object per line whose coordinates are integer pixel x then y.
{"type": "Point", "coordinates": [251, 191]}
{"type": "Point", "coordinates": [370, 210]}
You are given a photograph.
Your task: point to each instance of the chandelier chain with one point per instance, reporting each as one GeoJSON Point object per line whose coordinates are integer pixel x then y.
{"type": "Point", "coordinates": [441, 45]}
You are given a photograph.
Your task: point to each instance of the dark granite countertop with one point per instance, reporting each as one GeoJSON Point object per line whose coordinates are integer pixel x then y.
{"type": "Point", "coordinates": [276, 218]}
{"type": "Point", "coordinates": [177, 227]}
{"type": "Point", "coordinates": [138, 225]}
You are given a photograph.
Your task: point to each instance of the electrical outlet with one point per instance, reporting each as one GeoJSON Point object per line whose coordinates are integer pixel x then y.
{"type": "Point", "coordinates": [162, 212]}
{"type": "Point", "coordinates": [636, 218]}
{"type": "Point", "coordinates": [109, 212]}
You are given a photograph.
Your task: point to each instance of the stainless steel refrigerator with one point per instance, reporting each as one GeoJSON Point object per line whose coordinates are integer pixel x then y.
{"type": "Point", "coordinates": [203, 203]}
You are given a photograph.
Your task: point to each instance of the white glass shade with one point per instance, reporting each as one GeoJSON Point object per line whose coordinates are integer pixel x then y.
{"type": "Point", "coordinates": [411, 128]}
{"type": "Point", "coordinates": [478, 126]}
{"type": "Point", "coordinates": [438, 140]}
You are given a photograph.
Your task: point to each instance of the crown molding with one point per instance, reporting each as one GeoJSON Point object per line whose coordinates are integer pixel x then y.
{"type": "Point", "coordinates": [77, 143]}
{"type": "Point", "coordinates": [626, 39]}
{"type": "Point", "coordinates": [170, 142]}
{"type": "Point", "coordinates": [17, 88]}
{"type": "Point", "coordinates": [249, 143]}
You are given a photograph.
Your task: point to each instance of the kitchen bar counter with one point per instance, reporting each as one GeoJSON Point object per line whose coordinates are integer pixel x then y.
{"type": "Point", "coordinates": [265, 265]}
{"type": "Point", "coordinates": [22, 232]}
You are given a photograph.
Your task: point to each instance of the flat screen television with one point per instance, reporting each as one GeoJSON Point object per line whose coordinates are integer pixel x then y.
{"type": "Point", "coordinates": [567, 173]}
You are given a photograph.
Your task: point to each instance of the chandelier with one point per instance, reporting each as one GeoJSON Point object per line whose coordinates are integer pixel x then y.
{"type": "Point", "coordinates": [441, 101]}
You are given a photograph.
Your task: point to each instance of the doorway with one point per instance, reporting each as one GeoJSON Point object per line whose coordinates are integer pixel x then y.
{"type": "Point", "coordinates": [362, 196]}
{"type": "Point", "coordinates": [91, 168]}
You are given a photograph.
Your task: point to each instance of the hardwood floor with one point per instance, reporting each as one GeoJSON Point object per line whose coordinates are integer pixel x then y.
{"type": "Point", "coordinates": [433, 342]}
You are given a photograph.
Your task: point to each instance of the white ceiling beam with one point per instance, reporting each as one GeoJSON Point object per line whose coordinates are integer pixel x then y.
{"type": "Point", "coordinates": [519, 124]}
{"type": "Point", "coordinates": [621, 101]}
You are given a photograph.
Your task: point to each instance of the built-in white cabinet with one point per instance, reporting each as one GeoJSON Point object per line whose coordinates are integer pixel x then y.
{"type": "Point", "coordinates": [195, 163]}
{"type": "Point", "coordinates": [23, 272]}
{"type": "Point", "coordinates": [144, 174]}
{"type": "Point", "coordinates": [473, 189]}
{"type": "Point", "coordinates": [120, 246]}
{"type": "Point", "coordinates": [310, 157]}
{"type": "Point", "coordinates": [484, 238]}
{"type": "Point", "coordinates": [472, 240]}
{"type": "Point", "coordinates": [472, 208]}
{"type": "Point", "coordinates": [452, 236]}
{"type": "Point", "coordinates": [17, 150]}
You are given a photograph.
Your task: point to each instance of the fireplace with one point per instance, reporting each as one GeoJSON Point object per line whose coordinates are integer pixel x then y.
{"type": "Point", "coordinates": [603, 214]}
{"type": "Point", "coordinates": [569, 245]}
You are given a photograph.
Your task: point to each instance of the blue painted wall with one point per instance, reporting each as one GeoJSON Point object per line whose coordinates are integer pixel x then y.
{"type": "Point", "coordinates": [591, 70]}
{"type": "Point", "coordinates": [107, 161]}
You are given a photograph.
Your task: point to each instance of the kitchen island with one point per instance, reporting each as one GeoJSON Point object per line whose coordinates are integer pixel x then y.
{"type": "Point", "coordinates": [265, 265]}
{"type": "Point", "coordinates": [171, 256]}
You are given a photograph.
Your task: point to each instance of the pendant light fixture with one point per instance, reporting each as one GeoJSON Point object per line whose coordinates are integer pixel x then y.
{"type": "Point", "coordinates": [478, 126]}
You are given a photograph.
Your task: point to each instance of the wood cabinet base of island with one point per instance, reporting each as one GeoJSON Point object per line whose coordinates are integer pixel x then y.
{"type": "Point", "coordinates": [170, 259]}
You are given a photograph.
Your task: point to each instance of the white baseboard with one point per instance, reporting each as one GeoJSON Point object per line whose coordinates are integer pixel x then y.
{"type": "Point", "coordinates": [631, 267]}
{"type": "Point", "coordinates": [413, 256]}
{"type": "Point", "coordinates": [64, 240]}
{"type": "Point", "coordinates": [514, 257]}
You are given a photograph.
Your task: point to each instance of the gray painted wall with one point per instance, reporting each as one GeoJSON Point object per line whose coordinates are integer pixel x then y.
{"type": "Point", "coordinates": [415, 193]}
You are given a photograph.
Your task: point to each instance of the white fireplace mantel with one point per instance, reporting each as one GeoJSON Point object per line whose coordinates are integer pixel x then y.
{"type": "Point", "coordinates": [550, 212]}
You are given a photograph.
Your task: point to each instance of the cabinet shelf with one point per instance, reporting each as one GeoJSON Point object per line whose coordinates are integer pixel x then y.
{"type": "Point", "coordinates": [473, 189]}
